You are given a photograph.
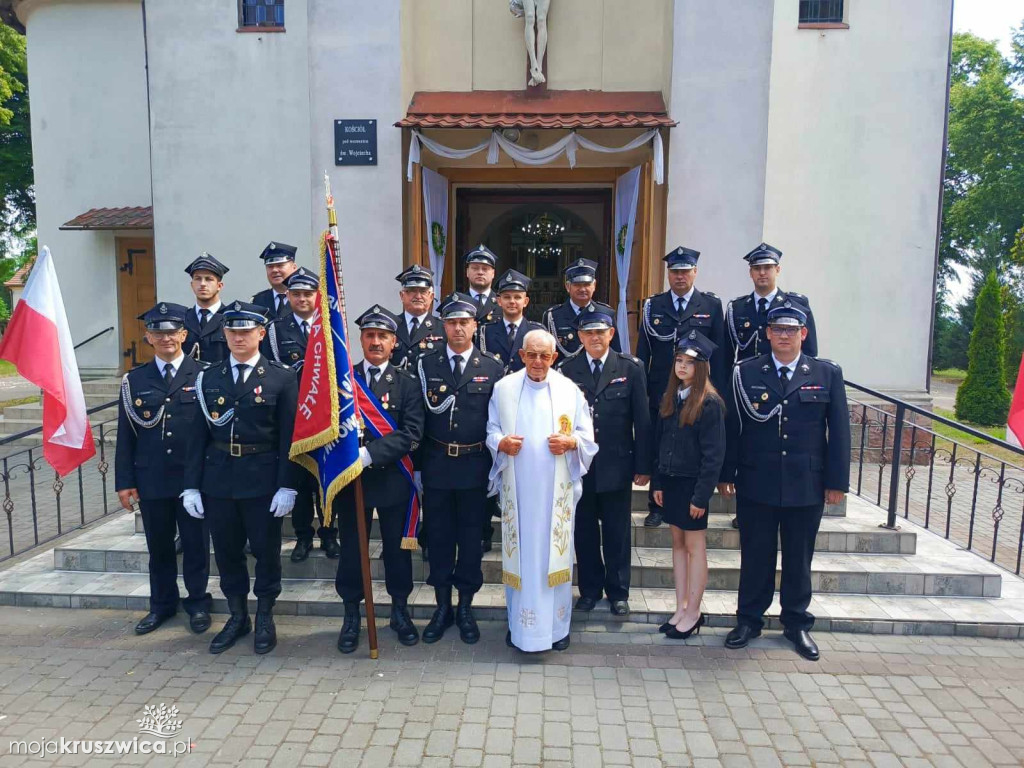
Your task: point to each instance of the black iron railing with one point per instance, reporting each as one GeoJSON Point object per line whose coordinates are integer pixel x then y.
{"type": "Point", "coordinates": [35, 498]}
{"type": "Point", "coordinates": [94, 336]}
{"type": "Point", "coordinates": [942, 482]}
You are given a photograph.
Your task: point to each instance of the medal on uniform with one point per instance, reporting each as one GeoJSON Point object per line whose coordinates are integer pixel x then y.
{"type": "Point", "coordinates": [443, 388]}
{"type": "Point", "coordinates": [214, 415]}
{"type": "Point", "coordinates": [295, 355]}
{"type": "Point", "coordinates": [258, 399]}
{"type": "Point", "coordinates": [430, 345]}
{"type": "Point", "coordinates": [746, 324]}
{"type": "Point", "coordinates": [569, 337]}
{"type": "Point", "coordinates": [145, 414]}
{"type": "Point", "coordinates": [220, 401]}
{"type": "Point", "coordinates": [138, 401]}
{"type": "Point", "coordinates": [423, 345]}
{"type": "Point", "coordinates": [657, 321]}
{"type": "Point", "coordinates": [764, 395]}
{"type": "Point", "coordinates": [756, 405]}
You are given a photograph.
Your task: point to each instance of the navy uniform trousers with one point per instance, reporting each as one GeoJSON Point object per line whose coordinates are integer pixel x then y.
{"type": "Point", "coordinates": [159, 518]}
{"type": "Point", "coordinates": [603, 524]}
{"type": "Point", "coordinates": [397, 561]}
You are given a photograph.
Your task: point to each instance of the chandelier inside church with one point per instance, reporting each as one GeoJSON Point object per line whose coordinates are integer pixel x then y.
{"type": "Point", "coordinates": [544, 236]}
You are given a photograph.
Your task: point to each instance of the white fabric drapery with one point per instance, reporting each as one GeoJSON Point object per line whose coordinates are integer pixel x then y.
{"type": "Point", "coordinates": [627, 192]}
{"type": "Point", "coordinates": [568, 145]}
{"type": "Point", "coordinates": [435, 208]}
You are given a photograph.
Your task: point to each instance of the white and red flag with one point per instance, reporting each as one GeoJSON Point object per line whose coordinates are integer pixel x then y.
{"type": "Point", "coordinates": [38, 342]}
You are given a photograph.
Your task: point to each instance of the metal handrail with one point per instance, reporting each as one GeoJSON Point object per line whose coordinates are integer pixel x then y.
{"type": "Point", "coordinates": [94, 336]}
{"type": "Point", "coordinates": [37, 430]}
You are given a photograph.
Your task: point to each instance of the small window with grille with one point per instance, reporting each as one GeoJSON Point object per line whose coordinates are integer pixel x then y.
{"type": "Point", "coordinates": [256, 14]}
{"type": "Point", "coordinates": [821, 11]}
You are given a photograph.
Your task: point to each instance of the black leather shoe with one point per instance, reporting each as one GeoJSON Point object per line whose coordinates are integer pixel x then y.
{"type": "Point", "coordinates": [585, 603]}
{"type": "Point", "coordinates": [740, 636]}
{"type": "Point", "coordinates": [401, 622]}
{"type": "Point", "coordinates": [177, 545]}
{"type": "Point", "coordinates": [469, 632]}
{"type": "Point", "coordinates": [199, 621]}
{"type": "Point", "coordinates": [238, 625]}
{"type": "Point", "coordinates": [803, 643]}
{"type": "Point", "coordinates": [486, 545]}
{"type": "Point", "coordinates": [302, 550]}
{"type": "Point", "coordinates": [653, 520]}
{"type": "Point", "coordinates": [348, 640]}
{"type": "Point", "coordinates": [443, 617]}
{"type": "Point", "coordinates": [736, 523]}
{"type": "Point", "coordinates": [150, 622]}
{"type": "Point", "coordinates": [619, 607]}
{"type": "Point", "coordinates": [562, 644]}
{"type": "Point", "coordinates": [331, 548]}
{"type": "Point", "coordinates": [265, 638]}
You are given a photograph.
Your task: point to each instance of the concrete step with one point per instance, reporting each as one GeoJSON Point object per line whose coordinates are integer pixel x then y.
{"type": "Point", "coordinates": [109, 385]}
{"type": "Point", "coordinates": [35, 410]}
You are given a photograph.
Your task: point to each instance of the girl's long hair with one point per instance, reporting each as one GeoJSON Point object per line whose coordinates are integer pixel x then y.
{"type": "Point", "coordinates": [700, 390]}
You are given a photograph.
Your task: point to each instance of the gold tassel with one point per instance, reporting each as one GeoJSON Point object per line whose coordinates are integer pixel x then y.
{"type": "Point", "coordinates": [410, 542]}
{"type": "Point", "coordinates": [510, 579]}
{"type": "Point", "coordinates": [560, 577]}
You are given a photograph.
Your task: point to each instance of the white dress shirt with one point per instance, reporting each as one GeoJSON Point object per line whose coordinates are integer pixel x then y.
{"type": "Point", "coordinates": [769, 298]}
{"type": "Point", "coordinates": [252, 362]}
{"type": "Point", "coordinates": [685, 297]}
{"type": "Point", "coordinates": [366, 367]}
{"type": "Point", "coordinates": [175, 364]}
{"type": "Point", "coordinates": [213, 309]}
{"type": "Point", "coordinates": [419, 319]}
{"type": "Point", "coordinates": [792, 366]}
{"type": "Point", "coordinates": [604, 359]}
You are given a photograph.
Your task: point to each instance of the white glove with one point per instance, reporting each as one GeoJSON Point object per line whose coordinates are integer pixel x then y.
{"type": "Point", "coordinates": [283, 502]}
{"type": "Point", "coordinates": [364, 455]}
{"type": "Point", "coordinates": [192, 500]}
{"type": "Point", "coordinates": [417, 478]}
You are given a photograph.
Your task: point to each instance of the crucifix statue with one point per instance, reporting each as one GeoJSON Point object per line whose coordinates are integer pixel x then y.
{"type": "Point", "coordinates": [536, 18]}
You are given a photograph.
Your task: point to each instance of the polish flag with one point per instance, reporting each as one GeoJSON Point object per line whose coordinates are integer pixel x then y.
{"type": "Point", "coordinates": [38, 342]}
{"type": "Point", "coordinates": [1015, 419]}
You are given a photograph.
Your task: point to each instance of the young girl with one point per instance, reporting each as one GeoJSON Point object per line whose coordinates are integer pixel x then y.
{"type": "Point", "coordinates": [690, 438]}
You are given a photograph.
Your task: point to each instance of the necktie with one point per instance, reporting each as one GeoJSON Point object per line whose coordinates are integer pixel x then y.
{"type": "Point", "coordinates": [413, 325]}
{"type": "Point", "coordinates": [374, 372]}
{"type": "Point", "coordinates": [680, 305]}
{"type": "Point", "coordinates": [305, 329]}
{"type": "Point", "coordinates": [281, 301]}
{"type": "Point", "coordinates": [457, 368]}
{"type": "Point", "coordinates": [240, 371]}
{"type": "Point", "coordinates": [204, 317]}
{"type": "Point", "coordinates": [597, 371]}
{"type": "Point", "coordinates": [784, 374]}
{"type": "Point", "coordinates": [479, 299]}
{"type": "Point", "coordinates": [511, 335]}
{"type": "Point", "coordinates": [762, 308]}
{"type": "Point", "coordinates": [168, 373]}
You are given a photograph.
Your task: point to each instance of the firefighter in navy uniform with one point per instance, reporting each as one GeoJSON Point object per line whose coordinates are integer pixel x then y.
{"type": "Point", "coordinates": [789, 441]}
{"type": "Point", "coordinates": [746, 315]}
{"type": "Point", "coordinates": [560, 320]}
{"type": "Point", "coordinates": [385, 487]}
{"type": "Point", "coordinates": [203, 321]}
{"type": "Point", "coordinates": [480, 264]}
{"type": "Point", "coordinates": [456, 382]}
{"type": "Point", "coordinates": [238, 474]}
{"type": "Point", "coordinates": [616, 390]}
{"type": "Point", "coordinates": [669, 316]}
{"type": "Point", "coordinates": [420, 332]}
{"type": "Point", "coordinates": [285, 343]}
{"type": "Point", "coordinates": [279, 262]}
{"type": "Point", "coordinates": [157, 410]}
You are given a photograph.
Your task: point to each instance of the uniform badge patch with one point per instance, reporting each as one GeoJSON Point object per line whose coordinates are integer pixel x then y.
{"type": "Point", "coordinates": [214, 415]}
{"type": "Point", "coordinates": [138, 401]}
{"type": "Point", "coordinates": [443, 388]}
{"type": "Point", "coordinates": [764, 395]}
{"type": "Point", "coordinates": [220, 401]}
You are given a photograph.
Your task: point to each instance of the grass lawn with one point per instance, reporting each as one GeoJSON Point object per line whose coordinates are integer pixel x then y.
{"type": "Point", "coordinates": [952, 375]}
{"type": "Point", "coordinates": [974, 442]}
{"type": "Point", "coordinates": [18, 401]}
{"type": "Point", "coordinates": [7, 369]}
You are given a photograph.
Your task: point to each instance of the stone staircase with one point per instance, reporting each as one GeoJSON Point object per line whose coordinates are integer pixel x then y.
{"type": "Point", "coordinates": [21, 418]}
{"type": "Point", "coordinates": [866, 578]}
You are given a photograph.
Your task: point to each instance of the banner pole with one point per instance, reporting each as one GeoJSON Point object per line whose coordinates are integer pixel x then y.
{"type": "Point", "coordinates": [361, 528]}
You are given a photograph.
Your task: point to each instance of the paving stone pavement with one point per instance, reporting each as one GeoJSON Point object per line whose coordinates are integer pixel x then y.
{"type": "Point", "coordinates": [614, 698]}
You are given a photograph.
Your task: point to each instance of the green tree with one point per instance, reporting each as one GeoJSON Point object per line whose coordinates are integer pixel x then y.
{"type": "Point", "coordinates": [983, 397]}
{"type": "Point", "coordinates": [17, 198]}
{"type": "Point", "coordinates": [12, 69]}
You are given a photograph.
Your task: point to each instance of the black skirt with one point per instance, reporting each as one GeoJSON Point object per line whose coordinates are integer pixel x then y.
{"type": "Point", "coordinates": [678, 491]}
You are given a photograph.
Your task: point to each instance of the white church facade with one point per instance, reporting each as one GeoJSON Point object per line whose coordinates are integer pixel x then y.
{"type": "Point", "coordinates": [163, 129]}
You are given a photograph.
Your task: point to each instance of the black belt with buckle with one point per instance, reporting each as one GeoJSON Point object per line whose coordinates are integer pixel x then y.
{"type": "Point", "coordinates": [244, 449]}
{"type": "Point", "coordinates": [454, 450]}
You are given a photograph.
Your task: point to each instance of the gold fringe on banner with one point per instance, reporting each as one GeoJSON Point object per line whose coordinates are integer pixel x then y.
{"type": "Point", "coordinates": [410, 542]}
{"type": "Point", "coordinates": [560, 577]}
{"type": "Point", "coordinates": [511, 580]}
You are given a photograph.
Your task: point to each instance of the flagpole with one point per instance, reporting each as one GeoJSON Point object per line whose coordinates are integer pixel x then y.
{"type": "Point", "coordinates": [361, 528]}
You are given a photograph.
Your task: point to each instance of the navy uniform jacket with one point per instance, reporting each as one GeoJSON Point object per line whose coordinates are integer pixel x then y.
{"type": "Point", "coordinates": [267, 298]}
{"type": "Point", "coordinates": [399, 393]}
{"type": "Point", "coordinates": [429, 337]}
{"type": "Point", "coordinates": [745, 331]}
{"type": "Point", "coordinates": [795, 442]}
{"type": "Point", "coordinates": [208, 344]}
{"type": "Point", "coordinates": [622, 420]}
{"type": "Point", "coordinates": [489, 311]}
{"type": "Point", "coordinates": [152, 459]}
{"type": "Point", "coordinates": [265, 406]}
{"type": "Point", "coordinates": [560, 321]}
{"type": "Point", "coordinates": [463, 421]}
{"type": "Point", "coordinates": [658, 318]}
{"type": "Point", "coordinates": [692, 450]}
{"type": "Point", "coordinates": [494, 341]}
{"type": "Point", "coordinates": [284, 342]}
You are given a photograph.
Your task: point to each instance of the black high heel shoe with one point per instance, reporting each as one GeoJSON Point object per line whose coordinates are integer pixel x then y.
{"type": "Point", "coordinates": [675, 634]}
{"type": "Point", "coordinates": [665, 627]}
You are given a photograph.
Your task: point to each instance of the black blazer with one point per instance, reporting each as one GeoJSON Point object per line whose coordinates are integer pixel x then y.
{"type": "Point", "coordinates": [560, 321]}
{"type": "Point", "coordinates": [622, 420]}
{"type": "Point", "coordinates": [267, 298]}
{"type": "Point", "coordinates": [429, 337]}
{"type": "Point", "coordinates": [399, 392]}
{"type": "Point", "coordinates": [284, 342]}
{"type": "Point", "coordinates": [466, 424]}
{"type": "Point", "coordinates": [265, 408]}
{"type": "Point", "coordinates": [152, 459]}
{"type": "Point", "coordinates": [694, 450]}
{"type": "Point", "coordinates": [207, 344]}
{"type": "Point", "coordinates": [791, 458]}
{"type": "Point", "coordinates": [494, 341]}
{"type": "Point", "coordinates": [658, 317]}
{"type": "Point", "coordinates": [745, 331]}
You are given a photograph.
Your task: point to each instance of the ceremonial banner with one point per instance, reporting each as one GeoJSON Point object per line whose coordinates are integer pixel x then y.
{"type": "Point", "coordinates": [435, 208]}
{"type": "Point", "coordinates": [1015, 419]}
{"type": "Point", "coordinates": [627, 192]}
{"type": "Point", "coordinates": [38, 342]}
{"type": "Point", "coordinates": [326, 436]}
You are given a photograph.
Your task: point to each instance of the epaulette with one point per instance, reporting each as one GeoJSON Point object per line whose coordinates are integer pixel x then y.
{"type": "Point", "coordinates": [282, 366]}
{"type": "Point", "coordinates": [137, 367]}
{"type": "Point", "coordinates": [632, 359]}
{"type": "Point", "coordinates": [403, 372]}
{"type": "Point", "coordinates": [741, 297]}
{"type": "Point", "coordinates": [203, 364]}
{"type": "Point", "coordinates": [712, 294]}
{"type": "Point", "coordinates": [493, 357]}
{"type": "Point", "coordinates": [794, 293]}
{"type": "Point", "coordinates": [833, 363]}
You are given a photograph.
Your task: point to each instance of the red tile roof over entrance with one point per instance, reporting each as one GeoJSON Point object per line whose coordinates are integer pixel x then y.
{"type": "Point", "coordinates": [551, 109]}
{"type": "Point", "coordinates": [113, 218]}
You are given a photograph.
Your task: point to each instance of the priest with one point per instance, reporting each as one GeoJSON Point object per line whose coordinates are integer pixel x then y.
{"type": "Point", "coordinates": [541, 436]}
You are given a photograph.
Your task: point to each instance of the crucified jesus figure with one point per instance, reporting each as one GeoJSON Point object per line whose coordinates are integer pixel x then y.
{"type": "Point", "coordinates": [536, 13]}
